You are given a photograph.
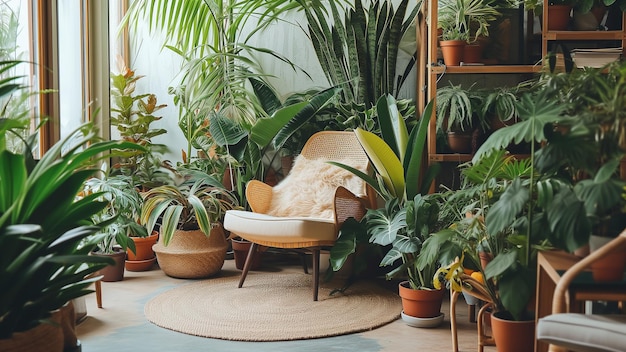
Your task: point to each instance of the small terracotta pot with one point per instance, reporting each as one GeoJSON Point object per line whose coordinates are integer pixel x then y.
{"type": "Point", "coordinates": [143, 247]}
{"type": "Point", "coordinates": [452, 51]}
{"type": "Point", "coordinates": [558, 17]}
{"type": "Point", "coordinates": [460, 142]}
{"type": "Point", "coordinates": [472, 53]}
{"type": "Point", "coordinates": [241, 249]}
{"type": "Point", "coordinates": [513, 336]}
{"type": "Point", "coordinates": [420, 303]}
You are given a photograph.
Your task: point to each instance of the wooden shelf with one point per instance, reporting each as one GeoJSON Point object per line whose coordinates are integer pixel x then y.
{"type": "Point", "coordinates": [486, 69]}
{"type": "Point", "coordinates": [584, 35]}
{"type": "Point", "coordinates": [452, 157]}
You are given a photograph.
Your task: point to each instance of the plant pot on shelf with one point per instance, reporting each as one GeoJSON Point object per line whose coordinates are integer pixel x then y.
{"type": "Point", "coordinates": [421, 304]}
{"type": "Point", "coordinates": [610, 267]}
{"type": "Point", "coordinates": [144, 257]}
{"type": "Point", "coordinates": [511, 335]}
{"type": "Point", "coordinates": [192, 255]}
{"type": "Point", "coordinates": [452, 51]}
{"type": "Point", "coordinates": [472, 53]}
{"type": "Point", "coordinates": [241, 248]}
{"type": "Point", "coordinates": [460, 142]}
{"type": "Point", "coordinates": [114, 272]}
{"type": "Point", "coordinates": [558, 17]}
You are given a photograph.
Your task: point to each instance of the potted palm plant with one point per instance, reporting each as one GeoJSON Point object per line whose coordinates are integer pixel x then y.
{"type": "Point", "coordinates": [192, 243]}
{"type": "Point", "coordinates": [408, 216]}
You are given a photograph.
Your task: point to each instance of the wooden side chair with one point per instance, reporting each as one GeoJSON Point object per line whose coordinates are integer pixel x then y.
{"type": "Point", "coordinates": [306, 210]}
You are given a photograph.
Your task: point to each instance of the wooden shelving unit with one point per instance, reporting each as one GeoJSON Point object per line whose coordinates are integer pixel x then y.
{"type": "Point", "coordinates": [430, 71]}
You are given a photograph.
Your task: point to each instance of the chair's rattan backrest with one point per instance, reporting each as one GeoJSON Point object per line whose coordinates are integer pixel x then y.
{"type": "Point", "coordinates": [339, 146]}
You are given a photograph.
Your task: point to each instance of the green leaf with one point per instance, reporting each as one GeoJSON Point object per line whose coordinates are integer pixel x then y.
{"type": "Point", "coordinates": [501, 264]}
{"type": "Point", "coordinates": [507, 208]}
{"type": "Point", "coordinates": [385, 161]}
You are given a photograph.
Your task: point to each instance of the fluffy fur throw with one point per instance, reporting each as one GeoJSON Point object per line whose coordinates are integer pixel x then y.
{"type": "Point", "coordinates": [309, 189]}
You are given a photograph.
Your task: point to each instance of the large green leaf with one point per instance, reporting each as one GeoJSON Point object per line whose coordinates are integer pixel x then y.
{"type": "Point", "coordinates": [535, 111]}
{"type": "Point", "coordinates": [385, 161]}
{"type": "Point", "coordinates": [264, 130]}
{"type": "Point", "coordinates": [315, 106]}
{"type": "Point", "coordinates": [507, 208]}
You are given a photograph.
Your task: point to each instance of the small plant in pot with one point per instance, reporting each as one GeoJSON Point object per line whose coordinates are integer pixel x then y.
{"type": "Point", "coordinates": [458, 114]}
{"type": "Point", "coordinates": [408, 217]}
{"type": "Point", "coordinates": [192, 243]}
{"type": "Point", "coordinates": [124, 208]}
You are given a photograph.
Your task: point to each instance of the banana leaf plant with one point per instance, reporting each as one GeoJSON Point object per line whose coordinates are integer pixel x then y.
{"type": "Point", "coordinates": [409, 214]}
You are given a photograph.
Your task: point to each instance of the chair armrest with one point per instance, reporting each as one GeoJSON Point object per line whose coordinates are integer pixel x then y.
{"type": "Point", "coordinates": [348, 205]}
{"type": "Point", "coordinates": [259, 196]}
{"type": "Point", "coordinates": [560, 299]}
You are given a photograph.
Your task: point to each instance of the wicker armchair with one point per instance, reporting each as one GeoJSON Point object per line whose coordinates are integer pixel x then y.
{"type": "Point", "coordinates": [309, 233]}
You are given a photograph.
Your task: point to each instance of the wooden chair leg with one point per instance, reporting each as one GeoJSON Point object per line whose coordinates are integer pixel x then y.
{"type": "Point", "coordinates": [454, 296]}
{"type": "Point", "coordinates": [248, 263]}
{"type": "Point", "coordinates": [483, 339]}
{"type": "Point", "coordinates": [99, 293]}
{"type": "Point", "coordinates": [316, 272]}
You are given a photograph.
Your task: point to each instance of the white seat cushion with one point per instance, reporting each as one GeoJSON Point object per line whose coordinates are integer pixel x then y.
{"type": "Point", "coordinates": [585, 333]}
{"type": "Point", "coordinates": [257, 227]}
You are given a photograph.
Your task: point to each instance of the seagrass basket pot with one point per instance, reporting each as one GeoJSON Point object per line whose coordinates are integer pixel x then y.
{"type": "Point", "coordinates": [191, 254]}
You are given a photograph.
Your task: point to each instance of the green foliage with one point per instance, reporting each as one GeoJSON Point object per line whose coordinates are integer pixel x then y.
{"type": "Point", "coordinates": [46, 231]}
{"type": "Point", "coordinates": [465, 19]}
{"type": "Point", "coordinates": [133, 115]}
{"type": "Point", "coordinates": [408, 217]}
{"type": "Point", "coordinates": [198, 202]}
{"type": "Point", "coordinates": [358, 47]}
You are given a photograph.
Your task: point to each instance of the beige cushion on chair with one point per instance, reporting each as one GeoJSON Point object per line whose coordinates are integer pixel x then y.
{"type": "Point", "coordinates": [584, 333]}
{"type": "Point", "coordinates": [291, 231]}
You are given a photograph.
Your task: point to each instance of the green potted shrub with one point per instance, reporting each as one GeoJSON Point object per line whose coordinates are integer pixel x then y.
{"type": "Point", "coordinates": [462, 22]}
{"type": "Point", "coordinates": [408, 215]}
{"type": "Point", "coordinates": [192, 243]}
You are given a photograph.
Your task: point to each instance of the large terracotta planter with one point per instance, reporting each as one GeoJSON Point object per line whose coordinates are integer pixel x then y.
{"type": "Point", "coordinates": [452, 51]}
{"type": "Point", "coordinates": [420, 303]}
{"type": "Point", "coordinates": [192, 255]}
{"type": "Point", "coordinates": [113, 272]}
{"type": "Point", "coordinates": [513, 336]}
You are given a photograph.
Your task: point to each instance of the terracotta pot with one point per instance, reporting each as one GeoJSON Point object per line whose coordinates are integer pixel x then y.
{"type": "Point", "coordinates": [485, 258]}
{"type": "Point", "coordinates": [113, 272]}
{"type": "Point", "coordinates": [140, 265]}
{"type": "Point", "coordinates": [192, 255]}
{"type": "Point", "coordinates": [460, 142]}
{"type": "Point", "coordinates": [241, 249]}
{"type": "Point", "coordinates": [611, 266]}
{"type": "Point", "coordinates": [420, 303]}
{"type": "Point", "coordinates": [472, 53]}
{"type": "Point", "coordinates": [513, 336]}
{"type": "Point", "coordinates": [143, 247]}
{"type": "Point", "coordinates": [452, 51]}
{"type": "Point", "coordinates": [558, 17]}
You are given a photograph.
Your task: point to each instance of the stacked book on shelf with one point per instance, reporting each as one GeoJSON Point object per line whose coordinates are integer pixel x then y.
{"type": "Point", "coordinates": [595, 57]}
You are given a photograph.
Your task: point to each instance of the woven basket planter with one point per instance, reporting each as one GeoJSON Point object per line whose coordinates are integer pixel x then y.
{"type": "Point", "coordinates": [191, 255]}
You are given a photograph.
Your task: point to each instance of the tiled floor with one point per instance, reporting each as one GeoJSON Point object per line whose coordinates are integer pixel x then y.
{"type": "Point", "coordinates": [121, 326]}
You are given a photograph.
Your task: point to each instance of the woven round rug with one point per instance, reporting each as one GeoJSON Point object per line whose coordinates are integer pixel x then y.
{"type": "Point", "coordinates": [271, 307]}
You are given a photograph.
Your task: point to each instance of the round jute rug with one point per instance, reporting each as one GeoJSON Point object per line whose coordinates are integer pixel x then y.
{"type": "Point", "coordinates": [271, 307]}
